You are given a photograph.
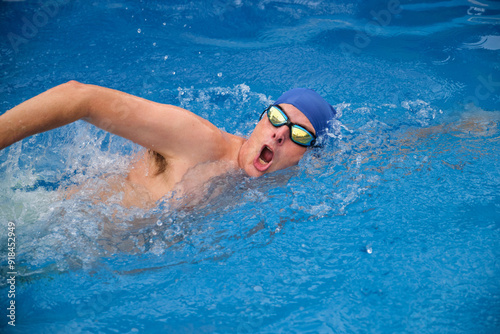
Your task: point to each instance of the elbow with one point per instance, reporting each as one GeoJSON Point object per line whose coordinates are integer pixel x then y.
{"type": "Point", "coordinates": [72, 85]}
{"type": "Point", "coordinates": [76, 93]}
{"type": "Point", "coordinates": [73, 89]}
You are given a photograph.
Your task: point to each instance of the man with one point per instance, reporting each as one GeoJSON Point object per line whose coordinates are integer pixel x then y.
{"type": "Point", "coordinates": [181, 145]}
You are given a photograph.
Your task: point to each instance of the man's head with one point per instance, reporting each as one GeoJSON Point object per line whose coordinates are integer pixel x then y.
{"type": "Point", "coordinates": [312, 105]}
{"type": "Point", "coordinates": [270, 147]}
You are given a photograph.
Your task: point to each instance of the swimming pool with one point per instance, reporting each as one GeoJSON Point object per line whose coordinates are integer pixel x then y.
{"type": "Point", "coordinates": [392, 227]}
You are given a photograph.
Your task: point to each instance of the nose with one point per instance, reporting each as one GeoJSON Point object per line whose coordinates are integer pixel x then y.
{"type": "Point", "coordinates": [280, 134]}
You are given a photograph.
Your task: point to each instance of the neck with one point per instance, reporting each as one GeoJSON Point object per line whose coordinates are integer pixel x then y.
{"type": "Point", "coordinates": [237, 150]}
{"type": "Point", "coordinates": [239, 158]}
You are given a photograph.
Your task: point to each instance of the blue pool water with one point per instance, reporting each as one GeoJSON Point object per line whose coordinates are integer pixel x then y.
{"type": "Point", "coordinates": [393, 227]}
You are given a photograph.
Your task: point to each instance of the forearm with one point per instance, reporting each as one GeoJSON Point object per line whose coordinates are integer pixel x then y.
{"type": "Point", "coordinates": [56, 107]}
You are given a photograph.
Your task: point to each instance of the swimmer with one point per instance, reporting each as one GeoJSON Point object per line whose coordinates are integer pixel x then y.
{"type": "Point", "coordinates": [184, 150]}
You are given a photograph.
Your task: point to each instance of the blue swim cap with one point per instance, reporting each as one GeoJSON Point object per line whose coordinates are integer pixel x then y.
{"type": "Point", "coordinates": [311, 104]}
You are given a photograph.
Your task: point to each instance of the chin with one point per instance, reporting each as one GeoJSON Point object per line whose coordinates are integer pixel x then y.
{"type": "Point", "coordinates": [253, 172]}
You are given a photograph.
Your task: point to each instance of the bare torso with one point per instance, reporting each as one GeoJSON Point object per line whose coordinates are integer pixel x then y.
{"type": "Point", "coordinates": [144, 186]}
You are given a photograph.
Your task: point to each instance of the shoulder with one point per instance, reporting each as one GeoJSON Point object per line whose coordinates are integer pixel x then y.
{"type": "Point", "coordinates": [191, 138]}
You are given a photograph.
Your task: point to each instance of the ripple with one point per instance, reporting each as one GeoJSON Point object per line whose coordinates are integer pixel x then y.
{"type": "Point", "coordinates": [489, 42]}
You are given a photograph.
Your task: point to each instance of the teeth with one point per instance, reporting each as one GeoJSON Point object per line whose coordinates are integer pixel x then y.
{"type": "Point", "coordinates": [262, 161]}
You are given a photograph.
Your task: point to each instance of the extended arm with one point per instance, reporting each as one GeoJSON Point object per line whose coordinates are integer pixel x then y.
{"type": "Point", "coordinates": [51, 109]}
{"type": "Point", "coordinates": [169, 130]}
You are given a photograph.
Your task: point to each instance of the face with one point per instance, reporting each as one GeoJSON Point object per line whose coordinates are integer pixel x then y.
{"type": "Point", "coordinates": [270, 148]}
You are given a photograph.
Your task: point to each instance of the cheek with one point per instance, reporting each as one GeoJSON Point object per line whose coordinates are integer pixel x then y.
{"type": "Point", "coordinates": [297, 150]}
{"type": "Point", "coordinates": [292, 154]}
{"type": "Point", "coordinates": [258, 133]}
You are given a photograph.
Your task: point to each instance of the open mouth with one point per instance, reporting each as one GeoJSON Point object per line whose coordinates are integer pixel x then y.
{"type": "Point", "coordinates": [263, 161]}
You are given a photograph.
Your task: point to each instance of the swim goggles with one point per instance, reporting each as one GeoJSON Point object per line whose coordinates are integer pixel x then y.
{"type": "Point", "coordinates": [298, 134]}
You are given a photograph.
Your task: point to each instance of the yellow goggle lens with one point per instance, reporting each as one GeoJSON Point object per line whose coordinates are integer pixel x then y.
{"type": "Point", "coordinates": [276, 117]}
{"type": "Point", "coordinates": [301, 136]}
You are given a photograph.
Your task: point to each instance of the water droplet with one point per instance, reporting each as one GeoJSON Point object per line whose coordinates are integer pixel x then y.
{"type": "Point", "coordinates": [369, 249]}
{"type": "Point", "coordinates": [159, 223]}
{"type": "Point", "coordinates": [139, 31]}
{"type": "Point", "coordinates": [219, 74]}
